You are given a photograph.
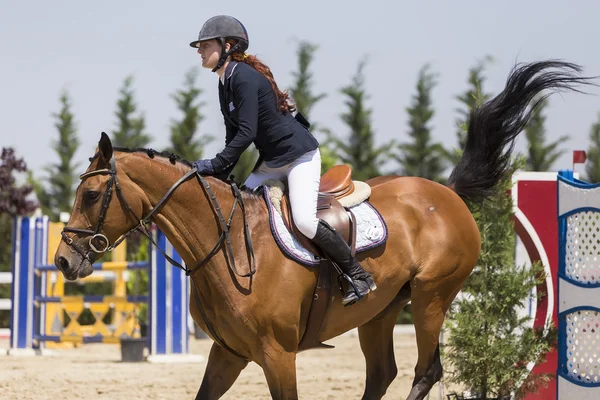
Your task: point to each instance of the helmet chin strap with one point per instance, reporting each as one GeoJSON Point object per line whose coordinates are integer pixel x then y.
{"type": "Point", "coordinates": [225, 54]}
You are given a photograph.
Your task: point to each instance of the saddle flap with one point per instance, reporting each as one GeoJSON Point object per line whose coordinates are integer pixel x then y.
{"type": "Point", "coordinates": [318, 309]}
{"type": "Point", "coordinates": [329, 210]}
{"type": "Point", "coordinates": [286, 214]}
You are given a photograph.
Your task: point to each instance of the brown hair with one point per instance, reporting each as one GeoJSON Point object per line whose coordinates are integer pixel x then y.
{"type": "Point", "coordinates": [283, 99]}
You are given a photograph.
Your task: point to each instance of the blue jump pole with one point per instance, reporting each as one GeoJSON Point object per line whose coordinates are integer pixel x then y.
{"type": "Point", "coordinates": [169, 291]}
{"type": "Point", "coordinates": [22, 311]}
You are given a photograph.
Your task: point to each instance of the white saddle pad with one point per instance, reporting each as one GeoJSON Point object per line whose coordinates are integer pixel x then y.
{"type": "Point", "coordinates": [370, 226]}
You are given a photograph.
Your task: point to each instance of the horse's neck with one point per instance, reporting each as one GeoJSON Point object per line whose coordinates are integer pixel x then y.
{"type": "Point", "coordinates": [187, 218]}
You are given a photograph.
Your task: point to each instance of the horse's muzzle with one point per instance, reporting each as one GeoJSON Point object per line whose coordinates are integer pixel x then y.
{"type": "Point", "coordinates": [73, 265]}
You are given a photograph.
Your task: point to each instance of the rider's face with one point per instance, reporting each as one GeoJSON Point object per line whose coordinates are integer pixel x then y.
{"type": "Point", "coordinates": [210, 51]}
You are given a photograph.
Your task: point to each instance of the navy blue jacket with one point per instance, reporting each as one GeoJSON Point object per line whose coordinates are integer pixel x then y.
{"type": "Point", "coordinates": [251, 114]}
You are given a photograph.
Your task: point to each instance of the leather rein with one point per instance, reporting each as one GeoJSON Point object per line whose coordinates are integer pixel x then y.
{"type": "Point", "coordinates": [99, 243]}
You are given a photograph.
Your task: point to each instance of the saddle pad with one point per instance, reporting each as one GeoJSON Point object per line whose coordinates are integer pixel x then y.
{"type": "Point", "coordinates": [370, 226]}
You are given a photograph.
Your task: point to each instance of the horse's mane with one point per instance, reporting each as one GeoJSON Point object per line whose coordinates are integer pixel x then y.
{"type": "Point", "coordinates": [172, 157]}
{"type": "Point", "coordinates": [175, 159]}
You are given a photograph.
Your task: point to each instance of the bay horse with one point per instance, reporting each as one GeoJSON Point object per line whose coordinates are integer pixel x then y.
{"type": "Point", "coordinates": [261, 315]}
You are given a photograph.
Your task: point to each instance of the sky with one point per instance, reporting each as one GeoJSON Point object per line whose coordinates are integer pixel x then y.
{"type": "Point", "coordinates": [88, 48]}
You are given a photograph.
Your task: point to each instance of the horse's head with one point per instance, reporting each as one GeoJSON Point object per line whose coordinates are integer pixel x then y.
{"type": "Point", "coordinates": [107, 203]}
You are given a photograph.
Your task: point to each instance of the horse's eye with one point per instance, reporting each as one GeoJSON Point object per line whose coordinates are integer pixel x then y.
{"type": "Point", "coordinates": [91, 196]}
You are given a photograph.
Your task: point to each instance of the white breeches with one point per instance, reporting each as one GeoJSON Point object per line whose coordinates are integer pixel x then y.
{"type": "Point", "coordinates": [303, 177]}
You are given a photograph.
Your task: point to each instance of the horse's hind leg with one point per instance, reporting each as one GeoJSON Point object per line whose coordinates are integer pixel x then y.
{"type": "Point", "coordinates": [222, 369]}
{"type": "Point", "coordinates": [377, 344]}
{"type": "Point", "coordinates": [429, 303]}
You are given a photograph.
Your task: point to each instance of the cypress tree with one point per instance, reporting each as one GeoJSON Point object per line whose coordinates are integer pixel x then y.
{"type": "Point", "coordinates": [359, 149]}
{"type": "Point", "coordinates": [422, 157]}
{"type": "Point", "coordinates": [184, 130]}
{"type": "Point", "coordinates": [541, 156]}
{"type": "Point", "coordinates": [130, 131]}
{"type": "Point", "coordinates": [57, 195]}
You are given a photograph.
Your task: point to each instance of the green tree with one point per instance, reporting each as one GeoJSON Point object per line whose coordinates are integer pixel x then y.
{"type": "Point", "coordinates": [302, 90]}
{"type": "Point", "coordinates": [131, 134]}
{"type": "Point", "coordinates": [328, 157]}
{"type": "Point", "coordinates": [305, 99]}
{"type": "Point", "coordinates": [421, 157]}
{"type": "Point", "coordinates": [183, 131]}
{"type": "Point", "coordinates": [592, 166]}
{"type": "Point", "coordinates": [471, 97]}
{"type": "Point", "coordinates": [359, 149]}
{"type": "Point", "coordinates": [56, 195]}
{"type": "Point", "coordinates": [244, 166]}
{"type": "Point", "coordinates": [489, 341]}
{"type": "Point", "coordinates": [541, 156]}
{"type": "Point", "coordinates": [130, 131]}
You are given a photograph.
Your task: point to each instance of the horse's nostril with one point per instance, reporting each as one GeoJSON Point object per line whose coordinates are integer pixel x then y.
{"type": "Point", "coordinates": [63, 264]}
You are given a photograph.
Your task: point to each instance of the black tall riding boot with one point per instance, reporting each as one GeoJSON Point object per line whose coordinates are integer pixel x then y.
{"type": "Point", "coordinates": [333, 245]}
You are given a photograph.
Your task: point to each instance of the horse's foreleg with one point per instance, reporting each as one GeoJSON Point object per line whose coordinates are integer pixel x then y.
{"type": "Point", "coordinates": [279, 367]}
{"type": "Point", "coordinates": [377, 344]}
{"type": "Point", "coordinates": [222, 370]}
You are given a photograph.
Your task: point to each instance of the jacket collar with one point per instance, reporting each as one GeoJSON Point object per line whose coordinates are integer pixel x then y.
{"type": "Point", "coordinates": [228, 72]}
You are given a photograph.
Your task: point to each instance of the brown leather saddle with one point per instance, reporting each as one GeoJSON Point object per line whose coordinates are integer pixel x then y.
{"type": "Point", "coordinates": [335, 184]}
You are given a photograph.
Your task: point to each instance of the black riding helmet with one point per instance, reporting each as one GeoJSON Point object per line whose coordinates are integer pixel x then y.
{"type": "Point", "coordinates": [223, 27]}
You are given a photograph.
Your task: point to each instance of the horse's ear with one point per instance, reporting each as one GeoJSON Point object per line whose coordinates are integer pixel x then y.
{"type": "Point", "coordinates": [105, 146]}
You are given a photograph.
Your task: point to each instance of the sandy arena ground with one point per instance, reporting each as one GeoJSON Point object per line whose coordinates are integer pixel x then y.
{"type": "Point", "coordinates": [95, 371]}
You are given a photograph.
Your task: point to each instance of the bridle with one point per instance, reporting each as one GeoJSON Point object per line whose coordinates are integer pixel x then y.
{"type": "Point", "coordinates": [95, 234]}
{"type": "Point", "coordinates": [98, 243]}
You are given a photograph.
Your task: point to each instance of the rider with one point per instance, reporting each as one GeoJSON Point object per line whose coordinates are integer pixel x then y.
{"type": "Point", "coordinates": [256, 111]}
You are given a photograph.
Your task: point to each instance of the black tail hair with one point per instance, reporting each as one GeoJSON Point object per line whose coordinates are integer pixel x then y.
{"type": "Point", "coordinates": [494, 125]}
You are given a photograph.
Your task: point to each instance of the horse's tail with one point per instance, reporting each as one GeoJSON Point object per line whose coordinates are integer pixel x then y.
{"type": "Point", "coordinates": [495, 125]}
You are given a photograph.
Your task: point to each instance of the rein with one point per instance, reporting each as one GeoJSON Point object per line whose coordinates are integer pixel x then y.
{"type": "Point", "coordinates": [99, 243]}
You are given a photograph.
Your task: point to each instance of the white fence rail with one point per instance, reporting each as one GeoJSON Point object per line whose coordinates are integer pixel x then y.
{"type": "Point", "coordinates": [5, 304]}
